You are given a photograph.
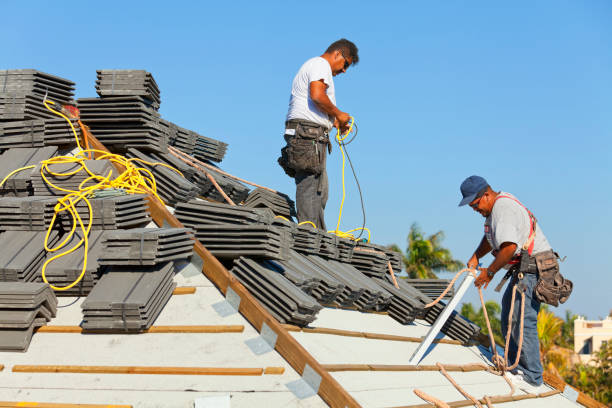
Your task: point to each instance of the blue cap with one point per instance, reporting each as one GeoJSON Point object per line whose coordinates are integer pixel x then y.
{"type": "Point", "coordinates": [470, 188]}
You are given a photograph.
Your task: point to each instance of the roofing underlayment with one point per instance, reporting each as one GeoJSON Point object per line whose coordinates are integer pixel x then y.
{"type": "Point", "coordinates": [265, 313]}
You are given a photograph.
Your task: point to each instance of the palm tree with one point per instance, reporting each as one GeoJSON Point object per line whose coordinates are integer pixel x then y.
{"type": "Point", "coordinates": [494, 312]}
{"type": "Point", "coordinates": [425, 256]}
{"type": "Point", "coordinates": [549, 329]}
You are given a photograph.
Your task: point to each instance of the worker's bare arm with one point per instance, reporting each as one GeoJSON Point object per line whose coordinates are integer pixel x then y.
{"type": "Point", "coordinates": [483, 248]}
{"type": "Point", "coordinates": [319, 96]}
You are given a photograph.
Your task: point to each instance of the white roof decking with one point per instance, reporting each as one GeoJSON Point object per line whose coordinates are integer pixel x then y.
{"type": "Point", "coordinates": [152, 349]}
{"type": "Point", "coordinates": [395, 388]}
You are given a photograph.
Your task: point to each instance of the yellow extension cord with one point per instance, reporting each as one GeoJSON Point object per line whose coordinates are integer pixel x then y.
{"type": "Point", "coordinates": [134, 180]}
{"type": "Point", "coordinates": [345, 234]}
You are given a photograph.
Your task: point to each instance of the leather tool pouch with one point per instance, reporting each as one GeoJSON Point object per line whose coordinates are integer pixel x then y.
{"type": "Point", "coordinates": [302, 151]}
{"type": "Point", "coordinates": [552, 288]}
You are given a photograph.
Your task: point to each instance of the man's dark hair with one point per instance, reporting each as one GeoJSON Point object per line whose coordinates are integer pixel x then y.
{"type": "Point", "coordinates": [346, 47]}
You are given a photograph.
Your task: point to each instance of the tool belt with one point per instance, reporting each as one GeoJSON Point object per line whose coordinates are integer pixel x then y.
{"type": "Point", "coordinates": [305, 149]}
{"type": "Point", "coordinates": [552, 288]}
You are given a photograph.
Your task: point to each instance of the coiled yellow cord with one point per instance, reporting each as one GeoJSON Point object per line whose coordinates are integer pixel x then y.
{"type": "Point", "coordinates": [134, 180]}
{"type": "Point", "coordinates": [345, 234]}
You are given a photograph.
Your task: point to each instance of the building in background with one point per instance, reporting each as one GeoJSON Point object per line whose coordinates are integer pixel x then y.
{"type": "Point", "coordinates": [589, 334]}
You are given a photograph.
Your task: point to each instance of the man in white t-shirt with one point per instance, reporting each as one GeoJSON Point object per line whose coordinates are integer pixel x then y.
{"type": "Point", "coordinates": [509, 226]}
{"type": "Point", "coordinates": [312, 114]}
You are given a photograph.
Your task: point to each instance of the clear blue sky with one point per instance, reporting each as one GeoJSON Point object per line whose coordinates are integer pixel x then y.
{"type": "Point", "coordinates": [520, 93]}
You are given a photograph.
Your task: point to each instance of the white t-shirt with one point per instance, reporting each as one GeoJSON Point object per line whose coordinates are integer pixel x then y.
{"type": "Point", "coordinates": [509, 222]}
{"type": "Point", "coordinates": [300, 104]}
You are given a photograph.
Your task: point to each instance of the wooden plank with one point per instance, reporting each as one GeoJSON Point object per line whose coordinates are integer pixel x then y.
{"type": "Point", "coordinates": [184, 290]}
{"type": "Point", "coordinates": [368, 335]}
{"type": "Point", "coordinates": [27, 404]}
{"type": "Point", "coordinates": [274, 370]}
{"type": "Point", "coordinates": [401, 367]}
{"type": "Point", "coordinates": [243, 371]}
{"type": "Point", "coordinates": [292, 351]}
{"type": "Point", "coordinates": [1, 367]}
{"type": "Point", "coordinates": [583, 398]}
{"type": "Point", "coordinates": [237, 328]}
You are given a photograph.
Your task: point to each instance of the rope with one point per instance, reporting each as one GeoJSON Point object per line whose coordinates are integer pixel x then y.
{"type": "Point", "coordinates": [426, 397]}
{"type": "Point", "coordinates": [501, 364]}
{"type": "Point", "coordinates": [392, 274]}
{"type": "Point", "coordinates": [192, 160]}
{"type": "Point", "coordinates": [457, 386]}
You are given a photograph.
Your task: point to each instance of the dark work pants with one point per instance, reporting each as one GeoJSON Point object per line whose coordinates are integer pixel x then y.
{"type": "Point", "coordinates": [529, 362]}
{"type": "Point", "coordinates": [311, 193]}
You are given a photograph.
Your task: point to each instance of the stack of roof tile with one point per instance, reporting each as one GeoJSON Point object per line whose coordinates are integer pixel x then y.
{"type": "Point", "coordinates": [63, 271]}
{"type": "Point", "coordinates": [35, 213]}
{"type": "Point", "coordinates": [146, 246]}
{"type": "Point", "coordinates": [22, 92]}
{"type": "Point", "coordinates": [128, 298]}
{"type": "Point", "coordinates": [362, 292]}
{"type": "Point", "coordinates": [309, 277]}
{"type": "Point", "coordinates": [68, 176]}
{"type": "Point", "coordinates": [197, 212]}
{"type": "Point", "coordinates": [432, 287]}
{"type": "Point", "coordinates": [128, 82]}
{"type": "Point", "coordinates": [285, 301]}
{"type": "Point", "coordinates": [279, 203]}
{"type": "Point", "coordinates": [123, 122]}
{"type": "Point", "coordinates": [235, 190]}
{"type": "Point", "coordinates": [37, 133]}
{"type": "Point", "coordinates": [171, 186]}
{"type": "Point", "coordinates": [209, 149]}
{"type": "Point", "coordinates": [19, 184]}
{"type": "Point", "coordinates": [406, 305]}
{"type": "Point", "coordinates": [231, 241]}
{"type": "Point", "coordinates": [23, 254]}
{"type": "Point", "coordinates": [109, 213]}
{"type": "Point", "coordinates": [23, 307]}
{"type": "Point", "coordinates": [185, 140]}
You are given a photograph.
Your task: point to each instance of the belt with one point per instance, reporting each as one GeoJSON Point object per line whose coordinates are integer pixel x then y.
{"type": "Point", "coordinates": [292, 124]}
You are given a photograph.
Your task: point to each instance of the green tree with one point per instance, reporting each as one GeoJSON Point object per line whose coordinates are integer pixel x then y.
{"type": "Point", "coordinates": [567, 330]}
{"type": "Point", "coordinates": [595, 377]}
{"type": "Point", "coordinates": [425, 255]}
{"type": "Point", "coordinates": [478, 317]}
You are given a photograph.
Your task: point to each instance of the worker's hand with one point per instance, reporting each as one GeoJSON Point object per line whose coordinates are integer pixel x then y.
{"type": "Point", "coordinates": [473, 262]}
{"type": "Point", "coordinates": [343, 119]}
{"type": "Point", "coordinates": [482, 279]}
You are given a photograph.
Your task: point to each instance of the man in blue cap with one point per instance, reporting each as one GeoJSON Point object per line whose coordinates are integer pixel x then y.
{"type": "Point", "coordinates": [510, 230]}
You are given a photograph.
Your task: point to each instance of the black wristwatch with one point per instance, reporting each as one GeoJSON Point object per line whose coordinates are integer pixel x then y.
{"type": "Point", "coordinates": [490, 273]}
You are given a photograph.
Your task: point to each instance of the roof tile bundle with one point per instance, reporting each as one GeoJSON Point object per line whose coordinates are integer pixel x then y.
{"type": "Point", "coordinates": [171, 186]}
{"type": "Point", "coordinates": [22, 92]}
{"type": "Point", "coordinates": [128, 298]}
{"type": "Point", "coordinates": [123, 122]}
{"type": "Point", "coordinates": [63, 271]}
{"type": "Point", "coordinates": [35, 213]}
{"type": "Point", "coordinates": [23, 307]}
{"type": "Point", "coordinates": [146, 246]}
{"type": "Point", "coordinates": [432, 287]}
{"type": "Point", "coordinates": [19, 184]}
{"type": "Point", "coordinates": [196, 212]}
{"type": "Point", "coordinates": [185, 140]}
{"type": "Point", "coordinates": [209, 149]}
{"type": "Point", "coordinates": [232, 241]}
{"type": "Point", "coordinates": [309, 277]}
{"type": "Point", "coordinates": [279, 203]}
{"type": "Point", "coordinates": [285, 301]}
{"type": "Point", "coordinates": [23, 254]}
{"type": "Point", "coordinates": [38, 133]}
{"type": "Point", "coordinates": [128, 82]}
{"type": "Point", "coordinates": [67, 176]}
{"type": "Point", "coordinates": [364, 293]}
{"type": "Point", "coordinates": [405, 305]}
